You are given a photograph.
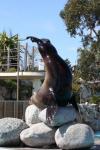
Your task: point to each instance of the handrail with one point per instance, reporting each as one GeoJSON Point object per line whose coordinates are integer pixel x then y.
{"type": "Point", "coordinates": [22, 75]}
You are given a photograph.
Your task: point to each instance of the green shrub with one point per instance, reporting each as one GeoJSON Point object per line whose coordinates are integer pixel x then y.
{"type": "Point", "coordinates": [95, 99]}
{"type": "Point", "coordinates": [12, 69]}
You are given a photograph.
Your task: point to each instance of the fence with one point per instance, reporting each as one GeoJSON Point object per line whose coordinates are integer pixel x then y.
{"type": "Point", "coordinates": [21, 58]}
{"type": "Point", "coordinates": [14, 109]}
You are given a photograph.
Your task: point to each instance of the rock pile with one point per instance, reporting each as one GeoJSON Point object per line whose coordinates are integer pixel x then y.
{"type": "Point", "coordinates": [62, 131]}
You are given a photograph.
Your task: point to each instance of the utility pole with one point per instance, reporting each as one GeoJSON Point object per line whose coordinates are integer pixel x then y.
{"type": "Point", "coordinates": [18, 57]}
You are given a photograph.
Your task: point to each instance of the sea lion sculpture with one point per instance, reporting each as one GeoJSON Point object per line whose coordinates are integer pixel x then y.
{"type": "Point", "coordinates": [56, 89]}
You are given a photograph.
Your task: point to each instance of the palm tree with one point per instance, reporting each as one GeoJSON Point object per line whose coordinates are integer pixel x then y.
{"type": "Point", "coordinates": [8, 47]}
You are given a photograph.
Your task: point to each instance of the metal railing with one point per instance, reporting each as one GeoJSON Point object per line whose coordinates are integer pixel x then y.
{"type": "Point", "coordinates": [24, 58]}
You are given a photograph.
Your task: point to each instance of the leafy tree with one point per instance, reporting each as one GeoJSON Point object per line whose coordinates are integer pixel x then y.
{"type": "Point", "coordinates": [82, 17]}
{"type": "Point", "coordinates": [86, 64]}
{"type": "Point", "coordinates": [7, 42]}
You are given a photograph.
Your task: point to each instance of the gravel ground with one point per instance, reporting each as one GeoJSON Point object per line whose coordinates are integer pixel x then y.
{"type": "Point", "coordinates": [95, 147]}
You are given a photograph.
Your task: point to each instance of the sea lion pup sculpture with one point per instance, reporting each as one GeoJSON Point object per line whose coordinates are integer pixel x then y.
{"type": "Point", "coordinates": [56, 89]}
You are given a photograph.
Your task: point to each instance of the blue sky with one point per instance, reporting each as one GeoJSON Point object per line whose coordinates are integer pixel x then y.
{"type": "Point", "coordinates": [39, 18]}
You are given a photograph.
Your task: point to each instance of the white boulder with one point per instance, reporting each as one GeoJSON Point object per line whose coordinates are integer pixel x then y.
{"type": "Point", "coordinates": [31, 114]}
{"type": "Point", "coordinates": [38, 135]}
{"type": "Point", "coordinates": [74, 136]}
{"type": "Point", "coordinates": [61, 116]}
{"type": "Point", "coordinates": [10, 129]}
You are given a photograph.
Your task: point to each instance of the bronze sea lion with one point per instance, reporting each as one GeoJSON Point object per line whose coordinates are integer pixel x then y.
{"type": "Point", "coordinates": [56, 89]}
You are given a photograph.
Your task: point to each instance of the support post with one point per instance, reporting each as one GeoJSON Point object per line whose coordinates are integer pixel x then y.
{"type": "Point", "coordinates": [8, 58]}
{"type": "Point", "coordinates": [18, 57]}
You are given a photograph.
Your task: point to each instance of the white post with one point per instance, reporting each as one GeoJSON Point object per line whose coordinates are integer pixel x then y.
{"type": "Point", "coordinates": [25, 57]}
{"type": "Point", "coordinates": [33, 58]}
{"type": "Point", "coordinates": [36, 85]}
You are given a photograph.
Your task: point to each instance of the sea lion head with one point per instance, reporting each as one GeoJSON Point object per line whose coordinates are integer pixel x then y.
{"type": "Point", "coordinates": [46, 47]}
{"type": "Point", "coordinates": [46, 41]}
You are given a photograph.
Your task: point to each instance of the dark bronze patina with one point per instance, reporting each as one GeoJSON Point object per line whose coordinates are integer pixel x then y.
{"type": "Point", "coordinates": [56, 89]}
